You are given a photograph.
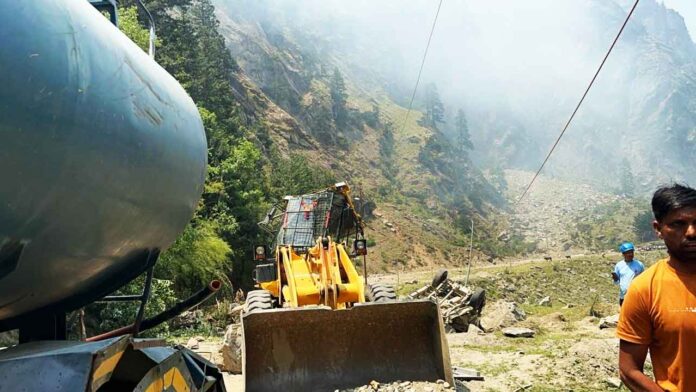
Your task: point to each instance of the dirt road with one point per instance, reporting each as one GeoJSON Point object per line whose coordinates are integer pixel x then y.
{"type": "Point", "coordinates": [568, 352]}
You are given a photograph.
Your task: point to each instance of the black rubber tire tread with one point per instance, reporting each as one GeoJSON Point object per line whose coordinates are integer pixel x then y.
{"type": "Point", "coordinates": [255, 302]}
{"type": "Point", "coordinates": [380, 293]}
{"type": "Point", "coordinates": [255, 293]}
{"type": "Point", "coordinates": [258, 300]}
{"type": "Point", "coordinates": [439, 277]}
{"type": "Point", "coordinates": [478, 300]}
{"type": "Point", "coordinates": [262, 298]}
{"type": "Point", "coordinates": [258, 306]}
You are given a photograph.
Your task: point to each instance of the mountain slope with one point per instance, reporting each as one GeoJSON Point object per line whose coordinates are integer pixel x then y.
{"type": "Point", "coordinates": [638, 119]}
{"type": "Point", "coordinates": [423, 187]}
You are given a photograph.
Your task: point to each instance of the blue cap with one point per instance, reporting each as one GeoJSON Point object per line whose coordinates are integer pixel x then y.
{"type": "Point", "coordinates": [625, 247]}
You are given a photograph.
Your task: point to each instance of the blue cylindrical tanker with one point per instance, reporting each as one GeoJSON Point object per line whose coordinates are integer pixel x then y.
{"type": "Point", "coordinates": [102, 158]}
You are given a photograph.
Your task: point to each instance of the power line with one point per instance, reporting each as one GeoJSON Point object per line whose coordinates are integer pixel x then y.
{"type": "Point", "coordinates": [420, 71]}
{"type": "Point", "coordinates": [579, 103]}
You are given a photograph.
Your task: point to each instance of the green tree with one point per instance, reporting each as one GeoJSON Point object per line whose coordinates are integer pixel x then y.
{"type": "Point", "coordinates": [224, 228]}
{"type": "Point", "coordinates": [129, 25]}
{"type": "Point", "coordinates": [386, 150]}
{"type": "Point", "coordinates": [339, 99]}
{"type": "Point", "coordinates": [434, 109]}
{"type": "Point", "coordinates": [627, 181]}
{"type": "Point", "coordinates": [317, 112]}
{"type": "Point", "coordinates": [497, 178]}
{"type": "Point", "coordinates": [643, 226]}
{"type": "Point", "coordinates": [297, 175]}
{"type": "Point", "coordinates": [198, 256]}
{"type": "Point", "coordinates": [462, 131]}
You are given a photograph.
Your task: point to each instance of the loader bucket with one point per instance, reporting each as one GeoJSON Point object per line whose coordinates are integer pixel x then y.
{"type": "Point", "coordinates": [319, 349]}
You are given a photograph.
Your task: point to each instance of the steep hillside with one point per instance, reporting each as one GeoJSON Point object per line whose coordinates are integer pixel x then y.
{"type": "Point", "coordinates": [637, 122]}
{"type": "Point", "coordinates": [293, 82]}
{"type": "Point", "coordinates": [564, 218]}
{"type": "Point", "coordinates": [426, 185]}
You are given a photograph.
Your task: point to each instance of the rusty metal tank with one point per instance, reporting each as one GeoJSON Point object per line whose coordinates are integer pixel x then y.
{"type": "Point", "coordinates": [102, 158]}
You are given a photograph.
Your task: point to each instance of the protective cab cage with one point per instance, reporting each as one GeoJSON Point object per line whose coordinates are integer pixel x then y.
{"type": "Point", "coordinates": [310, 216]}
{"type": "Point", "coordinates": [304, 218]}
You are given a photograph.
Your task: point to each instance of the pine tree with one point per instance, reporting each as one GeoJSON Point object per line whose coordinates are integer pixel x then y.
{"type": "Point", "coordinates": [339, 98]}
{"type": "Point", "coordinates": [461, 127]}
{"type": "Point", "coordinates": [434, 110]}
{"type": "Point", "coordinates": [627, 182]}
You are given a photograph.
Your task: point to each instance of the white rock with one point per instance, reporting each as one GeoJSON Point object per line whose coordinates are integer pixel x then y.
{"type": "Point", "coordinates": [609, 322]}
{"type": "Point", "coordinates": [231, 349]}
{"type": "Point", "coordinates": [501, 314]}
{"type": "Point", "coordinates": [613, 382]}
{"type": "Point", "coordinates": [192, 343]}
{"type": "Point", "coordinates": [517, 332]}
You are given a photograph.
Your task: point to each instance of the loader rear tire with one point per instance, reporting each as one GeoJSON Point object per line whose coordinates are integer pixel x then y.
{"type": "Point", "coordinates": [258, 300]}
{"type": "Point", "coordinates": [380, 293]}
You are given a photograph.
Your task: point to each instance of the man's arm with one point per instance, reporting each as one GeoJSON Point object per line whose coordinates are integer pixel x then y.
{"type": "Point", "coordinates": [631, 360]}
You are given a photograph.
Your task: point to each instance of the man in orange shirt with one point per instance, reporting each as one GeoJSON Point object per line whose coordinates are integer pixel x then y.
{"type": "Point", "coordinates": [659, 311]}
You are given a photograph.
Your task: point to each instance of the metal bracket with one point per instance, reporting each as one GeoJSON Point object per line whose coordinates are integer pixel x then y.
{"type": "Point", "coordinates": [143, 297]}
{"type": "Point", "coordinates": [108, 6]}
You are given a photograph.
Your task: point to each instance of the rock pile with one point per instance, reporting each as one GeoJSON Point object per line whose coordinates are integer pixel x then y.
{"type": "Point", "coordinates": [408, 386]}
{"type": "Point", "coordinates": [550, 212]}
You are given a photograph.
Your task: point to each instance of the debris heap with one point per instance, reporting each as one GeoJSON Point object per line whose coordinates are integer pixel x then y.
{"type": "Point", "coordinates": [460, 305]}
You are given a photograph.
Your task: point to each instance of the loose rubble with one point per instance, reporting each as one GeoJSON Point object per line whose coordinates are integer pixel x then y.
{"type": "Point", "coordinates": [550, 214]}
{"type": "Point", "coordinates": [410, 386]}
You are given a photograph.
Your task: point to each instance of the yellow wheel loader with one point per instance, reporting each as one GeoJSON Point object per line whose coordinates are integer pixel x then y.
{"type": "Point", "coordinates": [314, 324]}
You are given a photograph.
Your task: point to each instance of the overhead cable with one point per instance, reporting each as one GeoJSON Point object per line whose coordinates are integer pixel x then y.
{"type": "Point", "coordinates": [420, 71]}
{"type": "Point", "coordinates": [579, 103]}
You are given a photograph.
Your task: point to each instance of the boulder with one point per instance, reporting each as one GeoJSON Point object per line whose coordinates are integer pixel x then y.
{"type": "Point", "coordinates": [609, 322]}
{"type": "Point", "coordinates": [501, 314]}
{"type": "Point", "coordinates": [474, 330]}
{"type": "Point", "coordinates": [613, 382]}
{"type": "Point", "coordinates": [516, 332]}
{"type": "Point", "coordinates": [231, 349]}
{"type": "Point", "coordinates": [192, 343]}
{"type": "Point", "coordinates": [546, 301]}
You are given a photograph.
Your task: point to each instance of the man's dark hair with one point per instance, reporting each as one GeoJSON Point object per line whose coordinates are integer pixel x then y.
{"type": "Point", "coordinates": [668, 198]}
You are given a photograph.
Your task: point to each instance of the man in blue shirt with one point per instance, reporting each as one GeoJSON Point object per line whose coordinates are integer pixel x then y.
{"type": "Point", "coordinates": [626, 269]}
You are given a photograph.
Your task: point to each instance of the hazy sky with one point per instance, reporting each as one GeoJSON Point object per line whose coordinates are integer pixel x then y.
{"type": "Point", "coordinates": [687, 9]}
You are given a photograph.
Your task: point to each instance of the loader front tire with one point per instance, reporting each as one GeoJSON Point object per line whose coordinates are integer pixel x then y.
{"type": "Point", "coordinates": [258, 300]}
{"type": "Point", "coordinates": [380, 293]}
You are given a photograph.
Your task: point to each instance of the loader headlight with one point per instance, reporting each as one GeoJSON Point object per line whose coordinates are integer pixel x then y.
{"type": "Point", "coordinates": [360, 247]}
{"type": "Point", "coordinates": [260, 253]}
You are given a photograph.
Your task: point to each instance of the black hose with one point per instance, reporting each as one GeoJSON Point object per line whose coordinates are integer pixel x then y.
{"type": "Point", "coordinates": [170, 313]}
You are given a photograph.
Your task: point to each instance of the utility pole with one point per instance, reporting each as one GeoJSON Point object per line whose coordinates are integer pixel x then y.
{"type": "Point", "coordinates": [471, 246]}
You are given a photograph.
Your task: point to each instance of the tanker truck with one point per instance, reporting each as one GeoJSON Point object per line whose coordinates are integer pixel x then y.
{"type": "Point", "coordinates": [103, 157]}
